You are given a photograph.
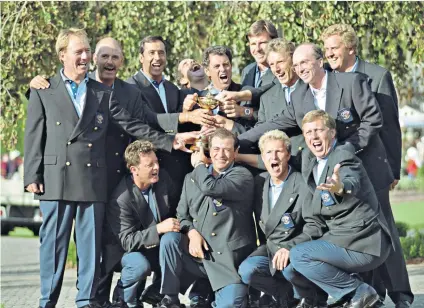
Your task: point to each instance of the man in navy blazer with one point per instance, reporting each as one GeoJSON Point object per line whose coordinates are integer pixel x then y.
{"type": "Point", "coordinates": [341, 45]}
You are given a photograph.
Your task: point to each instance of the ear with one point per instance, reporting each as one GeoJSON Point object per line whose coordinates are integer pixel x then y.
{"type": "Point", "coordinates": [141, 58]}
{"type": "Point", "coordinates": [133, 169]}
{"type": "Point", "coordinates": [333, 133]}
{"type": "Point", "coordinates": [352, 52]}
{"type": "Point", "coordinates": [208, 73]}
{"type": "Point", "coordinates": [61, 56]}
{"type": "Point", "coordinates": [95, 58]}
{"type": "Point", "coordinates": [321, 62]}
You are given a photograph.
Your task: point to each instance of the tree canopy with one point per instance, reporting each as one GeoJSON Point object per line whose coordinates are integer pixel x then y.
{"type": "Point", "coordinates": [391, 34]}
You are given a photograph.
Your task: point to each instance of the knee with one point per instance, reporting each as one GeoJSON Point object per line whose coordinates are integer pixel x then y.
{"type": "Point", "coordinates": [298, 254]}
{"type": "Point", "coordinates": [289, 273]}
{"type": "Point", "coordinates": [246, 272]}
{"type": "Point", "coordinates": [170, 240]}
{"type": "Point", "coordinates": [136, 267]}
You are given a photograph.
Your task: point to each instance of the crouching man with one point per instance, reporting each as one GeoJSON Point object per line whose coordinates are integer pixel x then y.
{"type": "Point", "coordinates": [279, 194]}
{"type": "Point", "coordinates": [137, 216]}
{"type": "Point", "coordinates": [344, 219]}
{"type": "Point", "coordinates": [217, 230]}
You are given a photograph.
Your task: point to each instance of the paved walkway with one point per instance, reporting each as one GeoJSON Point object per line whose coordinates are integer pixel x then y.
{"type": "Point", "coordinates": [20, 281]}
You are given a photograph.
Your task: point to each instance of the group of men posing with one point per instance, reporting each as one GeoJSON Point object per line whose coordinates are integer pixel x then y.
{"type": "Point", "coordinates": [305, 220]}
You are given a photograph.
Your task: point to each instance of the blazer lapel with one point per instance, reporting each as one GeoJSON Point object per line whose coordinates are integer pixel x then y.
{"type": "Point", "coordinates": [308, 101]}
{"type": "Point", "coordinates": [151, 94]}
{"type": "Point", "coordinates": [172, 96]}
{"type": "Point", "coordinates": [92, 102]}
{"type": "Point", "coordinates": [265, 200]}
{"type": "Point", "coordinates": [62, 98]}
{"type": "Point", "coordinates": [250, 77]}
{"type": "Point", "coordinates": [333, 96]}
{"type": "Point", "coordinates": [161, 198]}
{"type": "Point", "coordinates": [308, 163]}
{"type": "Point", "coordinates": [279, 96]}
{"type": "Point", "coordinates": [284, 202]}
{"type": "Point", "coordinates": [267, 78]}
{"type": "Point", "coordinates": [140, 205]}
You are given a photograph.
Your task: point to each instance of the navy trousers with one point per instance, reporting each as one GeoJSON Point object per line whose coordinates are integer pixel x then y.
{"type": "Point", "coordinates": [255, 272]}
{"type": "Point", "coordinates": [176, 262]}
{"type": "Point", "coordinates": [55, 233]}
{"type": "Point", "coordinates": [318, 268]}
{"type": "Point", "coordinates": [384, 277]}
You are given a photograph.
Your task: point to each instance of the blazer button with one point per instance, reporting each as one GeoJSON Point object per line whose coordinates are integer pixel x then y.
{"type": "Point", "coordinates": [116, 154]}
{"type": "Point", "coordinates": [194, 220]}
{"type": "Point", "coordinates": [122, 135]}
{"type": "Point", "coordinates": [300, 148]}
{"type": "Point", "coordinates": [90, 145]}
{"type": "Point", "coordinates": [332, 218]}
{"type": "Point", "coordinates": [218, 252]}
{"type": "Point", "coordinates": [214, 213]}
{"type": "Point", "coordinates": [69, 142]}
{"type": "Point", "coordinates": [95, 128]}
{"type": "Point", "coordinates": [213, 234]}
{"type": "Point", "coordinates": [57, 123]}
{"type": "Point", "coordinates": [119, 171]}
{"type": "Point", "coordinates": [67, 163]}
{"type": "Point", "coordinates": [286, 232]}
{"type": "Point", "coordinates": [88, 165]}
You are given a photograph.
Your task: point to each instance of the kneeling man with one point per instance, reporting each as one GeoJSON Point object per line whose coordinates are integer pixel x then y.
{"type": "Point", "coordinates": [279, 194]}
{"type": "Point", "coordinates": [138, 215]}
{"type": "Point", "coordinates": [217, 230]}
{"type": "Point", "coordinates": [344, 219]}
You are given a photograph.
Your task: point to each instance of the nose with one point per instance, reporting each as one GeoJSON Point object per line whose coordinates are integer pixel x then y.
{"type": "Point", "coordinates": [156, 56]}
{"type": "Point", "coordinates": [329, 53]}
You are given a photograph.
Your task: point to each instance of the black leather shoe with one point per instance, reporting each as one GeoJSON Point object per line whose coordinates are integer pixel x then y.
{"type": "Point", "coordinates": [310, 303]}
{"type": "Point", "coordinates": [379, 304]}
{"type": "Point", "coordinates": [253, 301]}
{"type": "Point", "coordinates": [365, 297]}
{"type": "Point", "coordinates": [267, 301]}
{"type": "Point", "coordinates": [403, 304]}
{"type": "Point", "coordinates": [199, 302]}
{"type": "Point", "coordinates": [151, 296]}
{"type": "Point", "coordinates": [340, 303]}
{"type": "Point", "coordinates": [167, 303]}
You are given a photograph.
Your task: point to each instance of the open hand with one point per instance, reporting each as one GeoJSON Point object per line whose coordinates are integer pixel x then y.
{"type": "Point", "coordinates": [333, 183]}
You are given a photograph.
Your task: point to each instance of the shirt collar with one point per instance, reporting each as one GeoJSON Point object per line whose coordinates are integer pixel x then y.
{"type": "Point", "coordinates": [323, 86]}
{"type": "Point", "coordinates": [214, 91]}
{"type": "Point", "coordinates": [271, 182]}
{"type": "Point", "coordinates": [153, 82]}
{"type": "Point", "coordinates": [354, 67]}
{"type": "Point", "coordinates": [210, 169]}
{"type": "Point", "coordinates": [66, 79]}
{"type": "Point", "coordinates": [292, 88]}
{"type": "Point", "coordinates": [261, 73]}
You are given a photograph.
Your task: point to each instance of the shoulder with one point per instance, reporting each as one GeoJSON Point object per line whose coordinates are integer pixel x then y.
{"type": "Point", "coordinates": [234, 86]}
{"type": "Point", "coordinates": [121, 194]}
{"type": "Point", "coordinates": [373, 69]}
{"type": "Point", "coordinates": [94, 84]}
{"type": "Point", "coordinates": [242, 172]}
{"type": "Point", "coordinates": [272, 91]}
{"type": "Point", "coordinates": [249, 67]}
{"type": "Point", "coordinates": [261, 177]}
{"type": "Point", "coordinates": [343, 153]}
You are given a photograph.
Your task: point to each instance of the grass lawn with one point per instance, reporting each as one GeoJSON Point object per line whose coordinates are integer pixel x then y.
{"type": "Point", "coordinates": [21, 232]}
{"type": "Point", "coordinates": [410, 212]}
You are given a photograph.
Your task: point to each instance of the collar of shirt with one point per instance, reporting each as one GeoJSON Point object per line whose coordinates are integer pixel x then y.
{"type": "Point", "coordinates": [354, 67]}
{"type": "Point", "coordinates": [66, 79]}
{"type": "Point", "coordinates": [259, 74]}
{"type": "Point", "coordinates": [271, 182]}
{"type": "Point", "coordinates": [318, 92]}
{"type": "Point", "coordinates": [210, 169]}
{"type": "Point", "coordinates": [214, 91]}
{"type": "Point", "coordinates": [289, 90]}
{"type": "Point", "coordinates": [326, 156]}
{"type": "Point", "coordinates": [153, 82]}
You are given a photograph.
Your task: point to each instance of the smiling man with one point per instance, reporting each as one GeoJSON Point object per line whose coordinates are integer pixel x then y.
{"type": "Point", "coordinates": [217, 232]}
{"type": "Point", "coordinates": [341, 50]}
{"type": "Point", "coordinates": [191, 74]}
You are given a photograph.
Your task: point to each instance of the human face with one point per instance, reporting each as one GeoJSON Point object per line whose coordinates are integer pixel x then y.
{"type": "Point", "coordinates": [219, 71]}
{"type": "Point", "coordinates": [153, 60]}
{"type": "Point", "coordinates": [281, 67]}
{"type": "Point", "coordinates": [276, 159]}
{"type": "Point", "coordinates": [308, 67]}
{"type": "Point", "coordinates": [338, 55]}
{"type": "Point", "coordinates": [257, 45]}
{"type": "Point", "coordinates": [108, 60]}
{"type": "Point", "coordinates": [76, 58]}
{"type": "Point", "coordinates": [318, 137]}
{"type": "Point", "coordinates": [196, 71]}
{"type": "Point", "coordinates": [222, 153]}
{"type": "Point", "coordinates": [147, 172]}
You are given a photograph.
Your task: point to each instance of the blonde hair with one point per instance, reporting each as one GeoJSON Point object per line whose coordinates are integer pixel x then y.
{"type": "Point", "coordinates": [64, 35]}
{"type": "Point", "coordinates": [275, 135]}
{"type": "Point", "coordinates": [133, 151]}
{"type": "Point", "coordinates": [281, 46]}
{"type": "Point", "coordinates": [346, 32]}
{"type": "Point", "coordinates": [314, 115]}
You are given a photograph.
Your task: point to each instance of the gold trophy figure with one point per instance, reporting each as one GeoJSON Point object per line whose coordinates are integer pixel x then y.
{"type": "Point", "coordinates": [205, 102]}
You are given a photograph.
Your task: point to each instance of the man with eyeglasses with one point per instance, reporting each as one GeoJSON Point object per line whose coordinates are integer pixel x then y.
{"type": "Point", "coordinates": [349, 100]}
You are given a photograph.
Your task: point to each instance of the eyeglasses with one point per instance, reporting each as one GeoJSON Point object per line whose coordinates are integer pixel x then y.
{"type": "Point", "coordinates": [303, 64]}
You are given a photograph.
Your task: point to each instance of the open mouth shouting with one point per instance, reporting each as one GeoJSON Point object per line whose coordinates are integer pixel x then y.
{"type": "Point", "coordinates": [223, 77]}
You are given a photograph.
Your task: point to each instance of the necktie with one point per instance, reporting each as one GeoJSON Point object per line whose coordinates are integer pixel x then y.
{"type": "Point", "coordinates": [156, 84]}
{"type": "Point", "coordinates": [74, 88]}
{"type": "Point", "coordinates": [148, 195]}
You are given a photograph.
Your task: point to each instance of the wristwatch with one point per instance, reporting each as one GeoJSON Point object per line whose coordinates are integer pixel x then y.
{"type": "Point", "coordinates": [247, 112]}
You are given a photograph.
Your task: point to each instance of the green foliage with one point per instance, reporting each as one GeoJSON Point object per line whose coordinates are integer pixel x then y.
{"type": "Point", "coordinates": [71, 259]}
{"type": "Point", "coordinates": [402, 228]}
{"type": "Point", "coordinates": [413, 246]}
{"type": "Point", "coordinates": [390, 33]}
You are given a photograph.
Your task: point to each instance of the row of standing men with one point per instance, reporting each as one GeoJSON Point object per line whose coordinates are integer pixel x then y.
{"type": "Point", "coordinates": [268, 96]}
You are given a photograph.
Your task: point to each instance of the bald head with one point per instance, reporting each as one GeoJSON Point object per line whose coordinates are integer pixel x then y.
{"type": "Point", "coordinates": [308, 64]}
{"type": "Point", "coordinates": [108, 58]}
{"type": "Point", "coordinates": [108, 42]}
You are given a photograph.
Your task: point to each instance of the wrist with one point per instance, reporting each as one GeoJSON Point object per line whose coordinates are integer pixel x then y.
{"type": "Point", "coordinates": [341, 190]}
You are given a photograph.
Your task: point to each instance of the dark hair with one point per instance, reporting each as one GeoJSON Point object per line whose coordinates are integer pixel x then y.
{"type": "Point", "coordinates": [216, 50]}
{"type": "Point", "coordinates": [151, 39]}
{"type": "Point", "coordinates": [223, 133]}
{"type": "Point", "coordinates": [261, 26]}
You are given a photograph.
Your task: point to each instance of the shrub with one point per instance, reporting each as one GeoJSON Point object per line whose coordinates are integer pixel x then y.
{"type": "Point", "coordinates": [402, 228]}
{"type": "Point", "coordinates": [413, 246]}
